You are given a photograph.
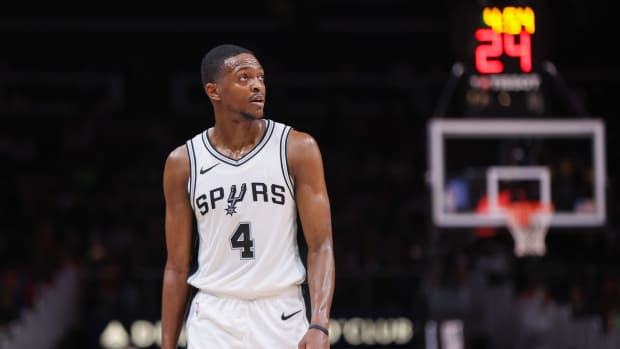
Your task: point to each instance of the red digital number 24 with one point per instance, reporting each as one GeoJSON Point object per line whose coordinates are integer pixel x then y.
{"type": "Point", "coordinates": [494, 44]}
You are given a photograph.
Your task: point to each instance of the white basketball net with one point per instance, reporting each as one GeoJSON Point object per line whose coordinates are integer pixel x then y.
{"type": "Point", "coordinates": [529, 230]}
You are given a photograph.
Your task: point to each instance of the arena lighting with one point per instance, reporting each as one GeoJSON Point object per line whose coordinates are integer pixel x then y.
{"type": "Point", "coordinates": [451, 332]}
{"type": "Point", "coordinates": [354, 331]}
{"type": "Point", "coordinates": [366, 331]}
{"type": "Point", "coordinates": [142, 334]}
{"type": "Point", "coordinates": [447, 334]}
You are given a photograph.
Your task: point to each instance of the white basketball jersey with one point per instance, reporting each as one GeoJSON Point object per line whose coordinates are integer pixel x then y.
{"type": "Point", "coordinates": [246, 218]}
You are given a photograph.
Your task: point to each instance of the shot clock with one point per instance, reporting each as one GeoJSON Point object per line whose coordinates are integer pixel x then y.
{"type": "Point", "coordinates": [502, 60]}
{"type": "Point", "coordinates": [505, 33]}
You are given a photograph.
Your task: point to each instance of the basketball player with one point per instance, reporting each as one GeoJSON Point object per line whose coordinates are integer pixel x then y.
{"type": "Point", "coordinates": [244, 182]}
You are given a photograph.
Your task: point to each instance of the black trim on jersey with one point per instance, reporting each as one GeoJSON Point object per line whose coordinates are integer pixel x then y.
{"type": "Point", "coordinates": [302, 248]}
{"type": "Point", "coordinates": [189, 156]}
{"type": "Point", "coordinates": [305, 294]}
{"type": "Point", "coordinates": [191, 166]}
{"type": "Point", "coordinates": [284, 160]}
{"type": "Point", "coordinates": [194, 264]}
{"type": "Point", "coordinates": [192, 171]}
{"type": "Point", "coordinates": [193, 175]}
{"type": "Point", "coordinates": [261, 144]}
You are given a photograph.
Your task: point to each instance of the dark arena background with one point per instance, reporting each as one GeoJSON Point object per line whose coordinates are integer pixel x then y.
{"type": "Point", "coordinates": [94, 96]}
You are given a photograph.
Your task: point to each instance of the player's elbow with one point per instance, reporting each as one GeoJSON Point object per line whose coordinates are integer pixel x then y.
{"type": "Point", "coordinates": [176, 268]}
{"type": "Point", "coordinates": [323, 246]}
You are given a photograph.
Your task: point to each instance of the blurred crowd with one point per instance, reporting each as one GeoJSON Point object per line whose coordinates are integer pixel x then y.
{"type": "Point", "coordinates": [84, 189]}
{"type": "Point", "coordinates": [87, 192]}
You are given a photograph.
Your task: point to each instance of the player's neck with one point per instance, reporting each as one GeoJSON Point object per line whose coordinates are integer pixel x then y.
{"type": "Point", "coordinates": [235, 138]}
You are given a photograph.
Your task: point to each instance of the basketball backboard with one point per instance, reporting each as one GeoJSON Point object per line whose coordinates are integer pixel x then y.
{"type": "Point", "coordinates": [476, 165]}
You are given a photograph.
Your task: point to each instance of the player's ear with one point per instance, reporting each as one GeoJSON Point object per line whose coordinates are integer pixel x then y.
{"type": "Point", "coordinates": [212, 91]}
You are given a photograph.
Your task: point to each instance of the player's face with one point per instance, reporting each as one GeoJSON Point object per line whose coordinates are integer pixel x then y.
{"type": "Point", "coordinates": [243, 86]}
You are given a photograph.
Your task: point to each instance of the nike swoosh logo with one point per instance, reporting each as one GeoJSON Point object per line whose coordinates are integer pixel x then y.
{"type": "Point", "coordinates": [203, 171]}
{"type": "Point", "coordinates": [286, 317]}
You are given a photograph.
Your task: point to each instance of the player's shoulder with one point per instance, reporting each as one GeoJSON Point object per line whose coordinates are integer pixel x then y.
{"type": "Point", "coordinates": [301, 140]}
{"type": "Point", "coordinates": [301, 147]}
{"type": "Point", "coordinates": [178, 158]}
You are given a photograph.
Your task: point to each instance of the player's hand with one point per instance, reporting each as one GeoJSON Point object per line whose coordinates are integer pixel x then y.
{"type": "Point", "coordinates": [314, 339]}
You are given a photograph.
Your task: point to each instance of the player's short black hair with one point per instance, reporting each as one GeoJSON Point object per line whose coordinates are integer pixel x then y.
{"type": "Point", "coordinates": [213, 60]}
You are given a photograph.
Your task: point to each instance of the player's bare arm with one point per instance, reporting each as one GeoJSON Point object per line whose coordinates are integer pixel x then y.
{"type": "Point", "coordinates": [306, 166]}
{"type": "Point", "coordinates": [178, 245]}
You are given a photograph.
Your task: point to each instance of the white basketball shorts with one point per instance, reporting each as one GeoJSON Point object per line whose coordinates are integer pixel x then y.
{"type": "Point", "coordinates": [277, 322]}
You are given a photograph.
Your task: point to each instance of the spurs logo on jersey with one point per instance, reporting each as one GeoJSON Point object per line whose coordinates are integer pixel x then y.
{"type": "Point", "coordinates": [260, 192]}
{"type": "Point", "coordinates": [232, 199]}
{"type": "Point", "coordinates": [245, 216]}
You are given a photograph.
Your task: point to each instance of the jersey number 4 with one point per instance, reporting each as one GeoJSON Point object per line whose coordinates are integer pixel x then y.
{"type": "Point", "coordinates": [242, 240]}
